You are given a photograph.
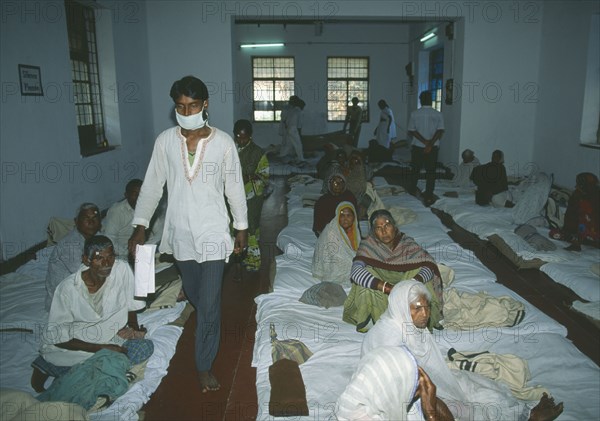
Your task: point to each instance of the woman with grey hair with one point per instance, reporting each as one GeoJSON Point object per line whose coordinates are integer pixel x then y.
{"type": "Point", "coordinates": [468, 396]}
{"type": "Point", "coordinates": [385, 258]}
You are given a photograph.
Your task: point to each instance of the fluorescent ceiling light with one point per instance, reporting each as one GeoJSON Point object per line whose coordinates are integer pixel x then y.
{"type": "Point", "coordinates": [271, 44]}
{"type": "Point", "coordinates": [428, 36]}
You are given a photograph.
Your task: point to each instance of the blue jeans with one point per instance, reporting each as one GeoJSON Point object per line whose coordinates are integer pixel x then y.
{"type": "Point", "coordinates": [202, 283]}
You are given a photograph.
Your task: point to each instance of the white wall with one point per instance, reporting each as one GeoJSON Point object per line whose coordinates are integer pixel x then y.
{"type": "Point", "coordinates": [499, 81]}
{"type": "Point", "coordinates": [384, 44]}
{"type": "Point", "coordinates": [563, 66]}
{"type": "Point", "coordinates": [190, 38]}
{"type": "Point", "coordinates": [43, 173]}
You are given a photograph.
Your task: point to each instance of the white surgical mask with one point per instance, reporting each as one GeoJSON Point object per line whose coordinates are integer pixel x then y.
{"type": "Point", "coordinates": [191, 122]}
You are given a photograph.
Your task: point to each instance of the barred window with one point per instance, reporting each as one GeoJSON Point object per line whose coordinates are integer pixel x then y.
{"type": "Point", "coordinates": [81, 27]}
{"type": "Point", "coordinates": [272, 86]}
{"type": "Point", "coordinates": [347, 77]}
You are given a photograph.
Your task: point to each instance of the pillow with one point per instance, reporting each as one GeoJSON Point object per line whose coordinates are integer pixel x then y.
{"type": "Point", "coordinates": [324, 294]}
{"type": "Point", "coordinates": [534, 198]}
{"type": "Point", "coordinates": [58, 228]}
{"type": "Point", "coordinates": [19, 405]}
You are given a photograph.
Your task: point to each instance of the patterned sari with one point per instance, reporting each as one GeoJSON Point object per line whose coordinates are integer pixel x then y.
{"type": "Point", "coordinates": [398, 264]}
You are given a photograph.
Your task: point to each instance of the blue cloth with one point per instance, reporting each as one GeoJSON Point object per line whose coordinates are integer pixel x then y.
{"type": "Point", "coordinates": [139, 350]}
{"type": "Point", "coordinates": [104, 373]}
{"type": "Point", "coordinates": [202, 284]}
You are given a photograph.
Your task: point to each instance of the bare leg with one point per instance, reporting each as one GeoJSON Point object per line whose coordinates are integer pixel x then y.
{"type": "Point", "coordinates": [546, 410]}
{"type": "Point", "coordinates": [38, 379]}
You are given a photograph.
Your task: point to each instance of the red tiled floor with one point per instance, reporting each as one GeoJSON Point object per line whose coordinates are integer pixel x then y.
{"type": "Point", "coordinates": [178, 397]}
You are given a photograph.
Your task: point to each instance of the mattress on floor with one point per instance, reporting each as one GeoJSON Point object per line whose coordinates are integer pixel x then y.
{"type": "Point", "coordinates": [23, 319]}
{"type": "Point", "coordinates": [336, 345]}
{"type": "Point", "coordinates": [567, 268]}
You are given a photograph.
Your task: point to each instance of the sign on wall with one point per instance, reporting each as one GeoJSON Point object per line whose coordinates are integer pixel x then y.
{"type": "Point", "coordinates": [30, 78]}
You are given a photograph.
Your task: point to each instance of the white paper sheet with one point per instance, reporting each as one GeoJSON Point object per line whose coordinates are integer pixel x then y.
{"type": "Point", "coordinates": [144, 270]}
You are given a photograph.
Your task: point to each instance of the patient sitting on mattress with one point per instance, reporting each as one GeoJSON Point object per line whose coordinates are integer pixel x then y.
{"type": "Point", "coordinates": [336, 246]}
{"type": "Point", "coordinates": [66, 256]}
{"type": "Point", "coordinates": [402, 326]}
{"type": "Point", "coordinates": [92, 309]}
{"type": "Point", "coordinates": [326, 205]}
{"type": "Point", "coordinates": [582, 218]}
{"type": "Point", "coordinates": [492, 183]}
{"type": "Point", "coordinates": [385, 258]}
{"type": "Point", "coordinates": [117, 225]}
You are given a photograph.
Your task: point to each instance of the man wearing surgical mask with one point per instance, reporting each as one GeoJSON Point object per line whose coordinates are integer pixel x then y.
{"type": "Point", "coordinates": [201, 168]}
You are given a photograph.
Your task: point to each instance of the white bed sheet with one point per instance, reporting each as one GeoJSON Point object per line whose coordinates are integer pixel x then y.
{"type": "Point", "coordinates": [22, 296]}
{"type": "Point", "coordinates": [576, 273]}
{"type": "Point", "coordinates": [568, 268]}
{"type": "Point", "coordinates": [336, 345]}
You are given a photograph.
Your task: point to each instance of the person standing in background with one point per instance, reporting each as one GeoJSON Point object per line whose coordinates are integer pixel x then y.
{"type": "Point", "coordinates": [426, 126]}
{"type": "Point", "coordinates": [386, 129]}
{"type": "Point", "coordinates": [354, 119]}
{"type": "Point", "coordinates": [255, 171]}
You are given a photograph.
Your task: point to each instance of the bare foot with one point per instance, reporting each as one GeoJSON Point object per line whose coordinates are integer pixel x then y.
{"type": "Point", "coordinates": [545, 410]}
{"type": "Point", "coordinates": [208, 382]}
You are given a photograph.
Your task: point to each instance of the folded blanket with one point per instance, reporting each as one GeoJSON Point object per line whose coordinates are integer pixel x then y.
{"type": "Point", "coordinates": [506, 368]}
{"type": "Point", "coordinates": [473, 311]}
{"type": "Point", "coordinates": [534, 238]}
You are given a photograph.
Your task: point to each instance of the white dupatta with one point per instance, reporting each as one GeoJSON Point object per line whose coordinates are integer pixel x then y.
{"type": "Point", "coordinates": [382, 388]}
{"type": "Point", "coordinates": [332, 259]}
{"type": "Point", "coordinates": [468, 395]}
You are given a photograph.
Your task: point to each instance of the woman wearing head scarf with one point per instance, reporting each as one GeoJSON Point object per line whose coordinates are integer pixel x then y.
{"type": "Point", "coordinates": [326, 205]}
{"type": "Point", "coordinates": [385, 258]}
{"type": "Point", "coordinates": [384, 387]}
{"type": "Point", "coordinates": [467, 394]}
{"type": "Point", "coordinates": [336, 246]}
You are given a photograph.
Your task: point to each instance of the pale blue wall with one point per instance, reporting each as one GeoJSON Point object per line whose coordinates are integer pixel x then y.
{"type": "Point", "coordinates": [534, 52]}
{"type": "Point", "coordinates": [42, 172]}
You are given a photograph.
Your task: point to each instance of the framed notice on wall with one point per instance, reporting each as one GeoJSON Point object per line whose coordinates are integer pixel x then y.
{"type": "Point", "coordinates": [30, 78]}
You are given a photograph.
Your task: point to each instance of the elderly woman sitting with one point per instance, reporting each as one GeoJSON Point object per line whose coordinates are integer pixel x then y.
{"type": "Point", "coordinates": [388, 385]}
{"type": "Point", "coordinates": [385, 258]}
{"type": "Point", "coordinates": [326, 205]}
{"type": "Point", "coordinates": [403, 325]}
{"type": "Point", "coordinates": [336, 246]}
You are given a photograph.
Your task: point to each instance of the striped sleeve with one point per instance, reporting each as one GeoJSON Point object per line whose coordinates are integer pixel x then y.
{"type": "Point", "coordinates": [361, 276]}
{"type": "Point", "coordinates": [424, 275]}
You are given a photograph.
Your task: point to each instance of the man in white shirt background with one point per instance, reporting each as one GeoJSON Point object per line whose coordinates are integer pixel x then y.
{"type": "Point", "coordinates": [426, 126]}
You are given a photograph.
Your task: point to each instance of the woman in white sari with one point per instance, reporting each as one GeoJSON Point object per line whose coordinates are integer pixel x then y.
{"type": "Point", "coordinates": [467, 395]}
{"type": "Point", "coordinates": [384, 387]}
{"type": "Point", "coordinates": [336, 246]}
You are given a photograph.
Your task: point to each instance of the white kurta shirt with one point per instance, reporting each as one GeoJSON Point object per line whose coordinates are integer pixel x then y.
{"type": "Point", "coordinates": [117, 226]}
{"type": "Point", "coordinates": [426, 121]}
{"type": "Point", "coordinates": [73, 317]}
{"type": "Point", "coordinates": [197, 222]}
